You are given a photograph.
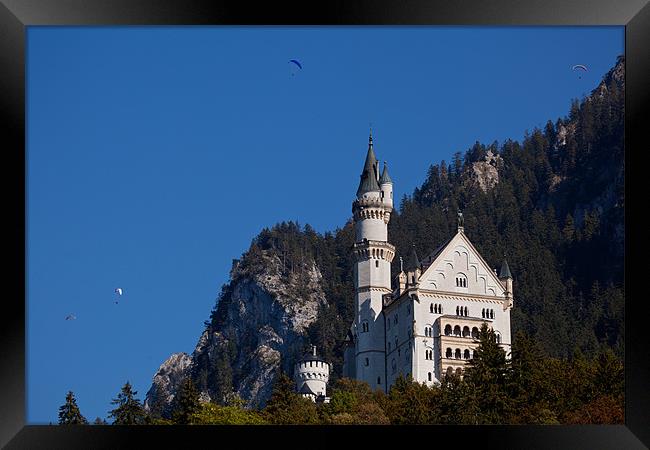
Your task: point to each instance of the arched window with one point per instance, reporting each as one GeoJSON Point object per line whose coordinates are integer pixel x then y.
{"type": "Point", "coordinates": [498, 338]}
{"type": "Point", "coordinates": [458, 310]}
{"type": "Point", "coordinates": [376, 263]}
{"type": "Point", "coordinates": [466, 331]}
{"type": "Point", "coordinates": [457, 330]}
{"type": "Point", "coordinates": [429, 376]}
{"type": "Point", "coordinates": [378, 380]}
{"type": "Point", "coordinates": [448, 330]}
{"type": "Point", "coordinates": [364, 326]}
{"type": "Point", "coordinates": [466, 354]}
{"type": "Point", "coordinates": [367, 362]}
{"type": "Point", "coordinates": [449, 353]}
{"type": "Point", "coordinates": [475, 333]}
{"type": "Point", "coordinates": [491, 314]}
{"type": "Point", "coordinates": [450, 371]}
{"type": "Point", "coordinates": [431, 308]}
{"type": "Point", "coordinates": [466, 312]}
{"type": "Point", "coordinates": [457, 353]}
{"type": "Point", "coordinates": [461, 280]}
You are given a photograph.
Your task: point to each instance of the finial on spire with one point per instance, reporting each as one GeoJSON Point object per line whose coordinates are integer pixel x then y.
{"type": "Point", "coordinates": [370, 136]}
{"type": "Point", "coordinates": [461, 221]}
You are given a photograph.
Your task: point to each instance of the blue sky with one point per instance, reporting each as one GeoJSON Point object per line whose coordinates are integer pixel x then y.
{"type": "Point", "coordinates": [155, 155]}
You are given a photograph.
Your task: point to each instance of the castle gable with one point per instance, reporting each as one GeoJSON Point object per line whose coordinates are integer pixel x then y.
{"type": "Point", "coordinates": [458, 267]}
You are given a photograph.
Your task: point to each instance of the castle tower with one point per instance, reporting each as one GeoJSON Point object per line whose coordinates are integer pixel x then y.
{"type": "Point", "coordinates": [372, 279]}
{"type": "Point", "coordinates": [311, 374]}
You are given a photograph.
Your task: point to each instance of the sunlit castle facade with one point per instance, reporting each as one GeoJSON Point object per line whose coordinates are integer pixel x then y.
{"type": "Point", "coordinates": [311, 374]}
{"type": "Point", "coordinates": [426, 324]}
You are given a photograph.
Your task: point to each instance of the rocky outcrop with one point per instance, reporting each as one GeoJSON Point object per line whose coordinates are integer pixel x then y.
{"type": "Point", "coordinates": [260, 326]}
{"type": "Point", "coordinates": [485, 173]}
{"type": "Point", "coordinates": [166, 381]}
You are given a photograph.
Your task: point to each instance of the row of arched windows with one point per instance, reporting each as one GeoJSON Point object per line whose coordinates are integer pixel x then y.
{"type": "Point", "coordinates": [487, 313]}
{"type": "Point", "coordinates": [462, 311]}
{"type": "Point", "coordinates": [461, 281]}
{"type": "Point", "coordinates": [428, 354]}
{"type": "Point", "coordinates": [449, 353]}
{"type": "Point", "coordinates": [465, 332]}
{"type": "Point", "coordinates": [428, 331]}
{"type": "Point", "coordinates": [435, 308]}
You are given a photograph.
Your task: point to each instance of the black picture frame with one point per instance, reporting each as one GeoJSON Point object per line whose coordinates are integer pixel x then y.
{"type": "Point", "coordinates": [16, 15]}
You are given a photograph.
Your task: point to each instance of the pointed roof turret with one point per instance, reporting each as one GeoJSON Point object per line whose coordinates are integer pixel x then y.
{"type": "Point", "coordinates": [414, 262]}
{"type": "Point", "coordinates": [369, 175]}
{"type": "Point", "coordinates": [385, 178]}
{"type": "Point", "coordinates": [505, 270]}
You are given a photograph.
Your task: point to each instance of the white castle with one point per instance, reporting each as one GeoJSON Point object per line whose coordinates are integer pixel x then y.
{"type": "Point", "coordinates": [428, 325]}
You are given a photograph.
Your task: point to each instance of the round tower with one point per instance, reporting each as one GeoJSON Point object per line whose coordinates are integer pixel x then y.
{"type": "Point", "coordinates": [311, 374]}
{"type": "Point", "coordinates": [372, 279]}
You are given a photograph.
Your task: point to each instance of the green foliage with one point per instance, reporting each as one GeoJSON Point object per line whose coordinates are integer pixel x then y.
{"type": "Point", "coordinates": [213, 414]}
{"type": "Point", "coordinates": [186, 403]}
{"type": "Point", "coordinates": [69, 413]}
{"type": "Point", "coordinates": [129, 410]}
{"type": "Point", "coordinates": [286, 407]}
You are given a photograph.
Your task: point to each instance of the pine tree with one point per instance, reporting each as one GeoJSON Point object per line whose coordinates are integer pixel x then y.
{"type": "Point", "coordinates": [486, 373]}
{"type": "Point", "coordinates": [287, 407]}
{"type": "Point", "coordinates": [186, 403]}
{"type": "Point", "coordinates": [129, 410]}
{"type": "Point", "coordinates": [69, 413]}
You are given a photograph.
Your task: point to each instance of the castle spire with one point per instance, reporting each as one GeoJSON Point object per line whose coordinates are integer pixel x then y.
{"type": "Point", "coordinates": [505, 270]}
{"type": "Point", "coordinates": [385, 178]}
{"type": "Point", "coordinates": [369, 175]}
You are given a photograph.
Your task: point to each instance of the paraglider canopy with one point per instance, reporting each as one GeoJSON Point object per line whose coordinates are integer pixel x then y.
{"type": "Point", "coordinates": [294, 66]}
{"type": "Point", "coordinates": [118, 291]}
{"type": "Point", "coordinates": [579, 67]}
{"type": "Point", "coordinates": [70, 317]}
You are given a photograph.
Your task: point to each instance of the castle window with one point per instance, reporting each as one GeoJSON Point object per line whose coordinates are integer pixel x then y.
{"type": "Point", "coordinates": [378, 380]}
{"type": "Point", "coordinates": [429, 376]}
{"type": "Point", "coordinates": [457, 353]}
{"type": "Point", "coordinates": [377, 263]}
{"type": "Point", "coordinates": [466, 332]}
{"type": "Point", "coordinates": [449, 353]}
{"type": "Point", "coordinates": [439, 309]}
{"type": "Point", "coordinates": [448, 330]}
{"type": "Point", "coordinates": [367, 362]}
{"type": "Point", "coordinates": [459, 371]}
{"type": "Point", "coordinates": [311, 364]}
{"type": "Point", "coordinates": [364, 326]}
{"type": "Point", "coordinates": [498, 338]}
{"type": "Point", "coordinates": [491, 314]}
{"type": "Point", "coordinates": [461, 280]}
{"type": "Point", "coordinates": [466, 354]}
{"type": "Point", "coordinates": [483, 313]}
{"type": "Point", "coordinates": [431, 308]}
{"type": "Point", "coordinates": [450, 371]}
{"type": "Point", "coordinates": [475, 333]}
{"type": "Point", "coordinates": [466, 312]}
{"type": "Point", "coordinates": [457, 330]}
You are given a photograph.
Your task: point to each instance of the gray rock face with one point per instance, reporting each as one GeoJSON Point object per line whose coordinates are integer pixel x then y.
{"type": "Point", "coordinates": [265, 315]}
{"type": "Point", "coordinates": [485, 173]}
{"type": "Point", "coordinates": [166, 381]}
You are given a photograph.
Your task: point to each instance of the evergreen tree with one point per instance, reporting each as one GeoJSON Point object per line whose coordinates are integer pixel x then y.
{"type": "Point", "coordinates": [69, 413]}
{"type": "Point", "coordinates": [129, 410]}
{"type": "Point", "coordinates": [186, 403]}
{"type": "Point", "coordinates": [486, 374]}
{"type": "Point", "coordinates": [288, 407]}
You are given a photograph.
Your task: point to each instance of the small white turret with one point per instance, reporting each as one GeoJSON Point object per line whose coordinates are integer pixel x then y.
{"type": "Point", "coordinates": [311, 374]}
